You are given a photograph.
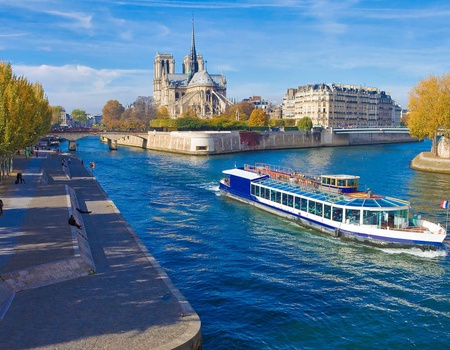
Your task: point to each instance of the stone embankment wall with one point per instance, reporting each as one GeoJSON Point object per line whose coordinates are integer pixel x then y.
{"type": "Point", "coordinates": [216, 142]}
{"type": "Point", "coordinates": [379, 138]}
{"type": "Point", "coordinates": [427, 161]}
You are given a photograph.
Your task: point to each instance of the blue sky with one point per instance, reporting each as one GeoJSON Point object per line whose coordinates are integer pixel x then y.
{"type": "Point", "coordinates": [85, 53]}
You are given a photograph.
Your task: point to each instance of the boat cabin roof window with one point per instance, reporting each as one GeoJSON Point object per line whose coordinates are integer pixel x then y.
{"type": "Point", "coordinates": [340, 180]}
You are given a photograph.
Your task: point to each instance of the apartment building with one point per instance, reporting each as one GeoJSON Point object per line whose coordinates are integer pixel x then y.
{"type": "Point", "coordinates": [337, 106]}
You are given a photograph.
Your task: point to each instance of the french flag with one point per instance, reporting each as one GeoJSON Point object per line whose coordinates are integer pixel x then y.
{"type": "Point", "coordinates": [444, 204]}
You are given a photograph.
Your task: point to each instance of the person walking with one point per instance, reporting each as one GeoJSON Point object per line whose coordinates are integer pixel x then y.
{"type": "Point", "coordinates": [1, 207]}
{"type": "Point", "coordinates": [19, 178]}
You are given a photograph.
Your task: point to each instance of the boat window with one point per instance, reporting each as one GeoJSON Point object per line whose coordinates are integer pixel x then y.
{"type": "Point", "coordinates": [297, 202]}
{"type": "Point", "coordinates": [333, 182]}
{"type": "Point", "coordinates": [353, 182]}
{"type": "Point", "coordinates": [284, 199]}
{"type": "Point", "coordinates": [394, 219]}
{"type": "Point", "coordinates": [371, 217]}
{"type": "Point", "coordinates": [253, 189]}
{"type": "Point", "coordinates": [275, 196]}
{"type": "Point", "coordinates": [265, 193]}
{"type": "Point", "coordinates": [371, 203]}
{"type": "Point", "coordinates": [319, 209]}
{"type": "Point", "coordinates": [262, 192]}
{"type": "Point", "coordinates": [303, 204]}
{"type": "Point", "coordinates": [312, 207]}
{"type": "Point", "coordinates": [290, 200]}
{"type": "Point", "coordinates": [341, 183]}
{"type": "Point", "coordinates": [337, 214]}
{"type": "Point", "coordinates": [327, 211]}
{"type": "Point", "coordinates": [352, 216]}
{"type": "Point", "coordinates": [278, 197]}
{"type": "Point", "coordinates": [257, 190]}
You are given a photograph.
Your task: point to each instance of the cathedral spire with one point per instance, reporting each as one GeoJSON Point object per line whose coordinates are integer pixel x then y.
{"type": "Point", "coordinates": [193, 63]}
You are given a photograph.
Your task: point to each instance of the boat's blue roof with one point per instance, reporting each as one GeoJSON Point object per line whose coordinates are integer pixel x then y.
{"type": "Point", "coordinates": [333, 197]}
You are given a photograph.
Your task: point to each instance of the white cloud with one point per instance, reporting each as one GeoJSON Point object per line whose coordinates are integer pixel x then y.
{"type": "Point", "coordinates": [81, 20]}
{"type": "Point", "coordinates": [82, 87]}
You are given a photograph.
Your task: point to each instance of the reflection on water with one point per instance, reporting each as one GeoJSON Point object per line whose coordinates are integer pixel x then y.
{"type": "Point", "coordinates": [426, 191]}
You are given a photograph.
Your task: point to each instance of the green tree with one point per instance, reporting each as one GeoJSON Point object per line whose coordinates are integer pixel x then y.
{"type": "Point", "coordinates": [258, 118]}
{"type": "Point", "coordinates": [79, 115]}
{"type": "Point", "coordinates": [112, 113]}
{"type": "Point", "coordinates": [276, 123]}
{"type": "Point", "coordinates": [305, 124]}
{"type": "Point", "coordinates": [189, 121]}
{"type": "Point", "coordinates": [429, 108]}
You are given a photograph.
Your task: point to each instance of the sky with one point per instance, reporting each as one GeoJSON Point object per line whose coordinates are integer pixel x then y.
{"type": "Point", "coordinates": [87, 52]}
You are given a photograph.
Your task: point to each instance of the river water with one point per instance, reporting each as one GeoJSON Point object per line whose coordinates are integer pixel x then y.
{"type": "Point", "coordinates": [260, 282]}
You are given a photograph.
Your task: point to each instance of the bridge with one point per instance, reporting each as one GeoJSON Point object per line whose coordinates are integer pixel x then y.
{"type": "Point", "coordinates": [110, 137]}
{"type": "Point", "coordinates": [372, 130]}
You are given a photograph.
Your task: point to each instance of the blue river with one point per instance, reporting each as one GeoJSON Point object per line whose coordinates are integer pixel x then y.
{"type": "Point", "coordinates": [261, 282]}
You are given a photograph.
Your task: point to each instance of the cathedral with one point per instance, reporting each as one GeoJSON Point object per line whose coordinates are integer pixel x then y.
{"type": "Point", "coordinates": [193, 89]}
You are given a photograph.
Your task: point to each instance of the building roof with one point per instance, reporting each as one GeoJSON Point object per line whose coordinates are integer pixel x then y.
{"type": "Point", "coordinates": [202, 78]}
{"type": "Point", "coordinates": [178, 79]}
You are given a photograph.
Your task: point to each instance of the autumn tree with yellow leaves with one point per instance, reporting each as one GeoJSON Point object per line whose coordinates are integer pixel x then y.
{"type": "Point", "coordinates": [429, 109]}
{"type": "Point", "coordinates": [25, 114]}
{"type": "Point", "coordinates": [258, 118]}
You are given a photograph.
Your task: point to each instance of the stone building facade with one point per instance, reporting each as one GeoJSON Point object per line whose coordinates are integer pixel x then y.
{"type": "Point", "coordinates": [193, 89]}
{"type": "Point", "coordinates": [336, 105]}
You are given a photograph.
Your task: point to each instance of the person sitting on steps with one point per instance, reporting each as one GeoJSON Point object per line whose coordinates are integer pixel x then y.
{"type": "Point", "coordinates": [72, 222]}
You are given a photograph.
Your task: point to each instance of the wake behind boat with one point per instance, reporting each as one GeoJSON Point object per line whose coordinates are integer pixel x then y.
{"type": "Point", "coordinates": [332, 204]}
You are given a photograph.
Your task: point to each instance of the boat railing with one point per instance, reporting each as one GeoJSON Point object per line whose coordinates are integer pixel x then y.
{"type": "Point", "coordinates": [270, 168]}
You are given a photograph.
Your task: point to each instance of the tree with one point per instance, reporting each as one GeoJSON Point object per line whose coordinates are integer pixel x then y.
{"type": "Point", "coordinates": [144, 110]}
{"type": "Point", "coordinates": [190, 113]}
{"type": "Point", "coordinates": [305, 124]}
{"type": "Point", "coordinates": [276, 123]}
{"type": "Point", "coordinates": [79, 115]}
{"type": "Point", "coordinates": [56, 114]}
{"type": "Point", "coordinates": [112, 112]}
{"type": "Point", "coordinates": [429, 108]}
{"type": "Point", "coordinates": [162, 113]}
{"type": "Point", "coordinates": [25, 114]}
{"type": "Point", "coordinates": [258, 118]}
{"type": "Point", "coordinates": [240, 111]}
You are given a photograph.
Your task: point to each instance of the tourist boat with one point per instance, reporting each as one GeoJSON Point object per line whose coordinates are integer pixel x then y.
{"type": "Point", "coordinates": [332, 204]}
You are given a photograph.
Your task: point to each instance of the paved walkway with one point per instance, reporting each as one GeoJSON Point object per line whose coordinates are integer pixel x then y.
{"type": "Point", "coordinates": [57, 292]}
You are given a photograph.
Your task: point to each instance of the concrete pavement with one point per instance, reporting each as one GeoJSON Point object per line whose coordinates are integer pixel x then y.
{"type": "Point", "coordinates": [97, 287]}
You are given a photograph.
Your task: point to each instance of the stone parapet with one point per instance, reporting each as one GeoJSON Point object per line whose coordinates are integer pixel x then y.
{"type": "Point", "coordinates": [427, 161]}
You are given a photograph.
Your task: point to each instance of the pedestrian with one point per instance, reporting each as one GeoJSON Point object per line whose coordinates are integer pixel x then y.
{"type": "Point", "coordinates": [37, 154]}
{"type": "Point", "coordinates": [19, 178]}
{"type": "Point", "coordinates": [1, 207]}
{"type": "Point", "coordinates": [72, 222]}
{"type": "Point", "coordinates": [63, 162]}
